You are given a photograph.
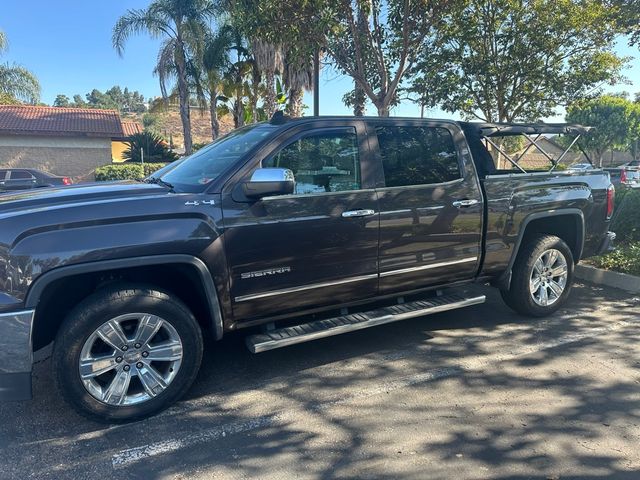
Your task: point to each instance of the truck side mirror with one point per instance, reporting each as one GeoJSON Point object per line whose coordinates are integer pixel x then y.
{"type": "Point", "coordinates": [269, 181]}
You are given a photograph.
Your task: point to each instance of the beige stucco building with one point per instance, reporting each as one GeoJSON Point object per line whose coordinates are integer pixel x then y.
{"type": "Point", "coordinates": [64, 141]}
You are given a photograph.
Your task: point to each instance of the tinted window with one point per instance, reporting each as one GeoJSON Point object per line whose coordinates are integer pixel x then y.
{"type": "Point", "coordinates": [204, 166]}
{"type": "Point", "coordinates": [20, 175]}
{"type": "Point", "coordinates": [324, 162]}
{"type": "Point", "coordinates": [3, 174]}
{"type": "Point", "coordinates": [417, 155]}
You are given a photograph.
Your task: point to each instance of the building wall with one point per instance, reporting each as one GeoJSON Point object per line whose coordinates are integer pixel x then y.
{"type": "Point", "coordinates": [117, 149]}
{"type": "Point", "coordinates": [75, 157]}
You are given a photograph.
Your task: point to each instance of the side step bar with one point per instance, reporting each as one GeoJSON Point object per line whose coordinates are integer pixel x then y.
{"type": "Point", "coordinates": [284, 337]}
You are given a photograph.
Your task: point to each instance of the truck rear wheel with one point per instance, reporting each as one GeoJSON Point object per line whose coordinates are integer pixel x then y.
{"type": "Point", "coordinates": [542, 277]}
{"type": "Point", "coordinates": [124, 354]}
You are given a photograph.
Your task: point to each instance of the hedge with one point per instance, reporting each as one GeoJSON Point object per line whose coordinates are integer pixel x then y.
{"type": "Point", "coordinates": [625, 259]}
{"type": "Point", "coordinates": [626, 220]}
{"type": "Point", "coordinates": [126, 171]}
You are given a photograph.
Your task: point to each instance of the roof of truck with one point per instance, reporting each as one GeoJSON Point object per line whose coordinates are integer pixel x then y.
{"type": "Point", "coordinates": [480, 128]}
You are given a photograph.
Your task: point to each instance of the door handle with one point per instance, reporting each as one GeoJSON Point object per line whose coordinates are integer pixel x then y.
{"type": "Point", "coordinates": [465, 203]}
{"type": "Point", "coordinates": [358, 213]}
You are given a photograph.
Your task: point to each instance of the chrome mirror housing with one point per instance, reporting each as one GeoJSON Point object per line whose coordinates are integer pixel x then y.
{"type": "Point", "coordinates": [270, 181]}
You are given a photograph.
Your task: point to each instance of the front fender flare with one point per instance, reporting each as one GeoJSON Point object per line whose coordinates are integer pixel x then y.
{"type": "Point", "coordinates": [37, 288]}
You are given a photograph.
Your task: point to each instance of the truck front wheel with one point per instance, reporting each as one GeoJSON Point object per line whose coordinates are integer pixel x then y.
{"type": "Point", "coordinates": [126, 353]}
{"type": "Point", "coordinates": [542, 277]}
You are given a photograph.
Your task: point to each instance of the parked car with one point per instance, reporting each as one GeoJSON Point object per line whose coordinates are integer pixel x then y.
{"type": "Point", "coordinates": [27, 178]}
{"type": "Point", "coordinates": [624, 177]}
{"type": "Point", "coordinates": [290, 230]}
{"type": "Point", "coordinates": [580, 167]}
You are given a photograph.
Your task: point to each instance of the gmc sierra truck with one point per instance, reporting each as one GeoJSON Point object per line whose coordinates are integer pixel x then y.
{"type": "Point", "coordinates": [291, 229]}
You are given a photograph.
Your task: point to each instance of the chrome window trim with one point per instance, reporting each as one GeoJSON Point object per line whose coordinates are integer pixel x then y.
{"type": "Point", "coordinates": [244, 298]}
{"type": "Point", "coordinates": [427, 267]}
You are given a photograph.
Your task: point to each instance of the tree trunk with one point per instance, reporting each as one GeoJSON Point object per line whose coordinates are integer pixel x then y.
{"type": "Point", "coordinates": [295, 102]}
{"type": "Point", "coordinates": [359, 101]}
{"type": "Point", "coordinates": [213, 109]}
{"type": "Point", "coordinates": [270, 93]}
{"type": "Point", "coordinates": [183, 93]}
{"type": "Point", "coordinates": [383, 109]}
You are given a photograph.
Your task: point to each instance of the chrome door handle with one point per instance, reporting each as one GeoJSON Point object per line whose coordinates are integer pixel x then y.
{"type": "Point", "coordinates": [358, 213]}
{"type": "Point", "coordinates": [465, 203]}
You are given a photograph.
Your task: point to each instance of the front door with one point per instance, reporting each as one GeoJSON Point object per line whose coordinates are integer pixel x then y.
{"type": "Point", "coordinates": [430, 207]}
{"type": "Point", "coordinates": [317, 246]}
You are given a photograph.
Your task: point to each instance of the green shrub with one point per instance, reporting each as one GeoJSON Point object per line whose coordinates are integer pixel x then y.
{"type": "Point", "coordinates": [625, 259]}
{"type": "Point", "coordinates": [626, 220]}
{"type": "Point", "coordinates": [126, 171]}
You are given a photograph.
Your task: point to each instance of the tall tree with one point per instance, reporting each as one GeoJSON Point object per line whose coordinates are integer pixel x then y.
{"type": "Point", "coordinates": [376, 42]}
{"type": "Point", "coordinates": [616, 121]}
{"type": "Point", "coordinates": [61, 101]}
{"type": "Point", "coordinates": [298, 78]}
{"type": "Point", "coordinates": [216, 62]}
{"type": "Point", "coordinates": [17, 82]}
{"type": "Point", "coordinates": [182, 25]}
{"type": "Point", "coordinates": [506, 60]}
{"type": "Point", "coordinates": [269, 60]}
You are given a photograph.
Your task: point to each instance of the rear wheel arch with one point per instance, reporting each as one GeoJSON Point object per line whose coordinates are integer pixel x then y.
{"type": "Point", "coordinates": [185, 276]}
{"type": "Point", "coordinates": [566, 224]}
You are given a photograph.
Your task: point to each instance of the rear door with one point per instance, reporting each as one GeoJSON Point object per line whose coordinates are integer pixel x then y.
{"type": "Point", "coordinates": [430, 207]}
{"type": "Point", "coordinates": [316, 247]}
{"type": "Point", "coordinates": [20, 180]}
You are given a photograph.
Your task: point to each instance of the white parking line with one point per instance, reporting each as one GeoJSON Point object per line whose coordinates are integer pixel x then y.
{"type": "Point", "coordinates": [127, 457]}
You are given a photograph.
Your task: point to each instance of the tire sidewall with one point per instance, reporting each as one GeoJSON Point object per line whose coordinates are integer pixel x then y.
{"type": "Point", "coordinates": [521, 298]}
{"type": "Point", "coordinates": [100, 308]}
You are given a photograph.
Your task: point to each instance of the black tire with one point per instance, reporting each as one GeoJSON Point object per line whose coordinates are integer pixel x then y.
{"type": "Point", "coordinates": [99, 308]}
{"type": "Point", "coordinates": [518, 297]}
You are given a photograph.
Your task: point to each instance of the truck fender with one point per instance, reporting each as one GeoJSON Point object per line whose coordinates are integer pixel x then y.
{"type": "Point", "coordinates": [504, 281]}
{"type": "Point", "coordinates": [37, 288]}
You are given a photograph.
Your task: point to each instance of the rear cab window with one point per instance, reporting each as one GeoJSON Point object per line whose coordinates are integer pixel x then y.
{"type": "Point", "coordinates": [417, 155]}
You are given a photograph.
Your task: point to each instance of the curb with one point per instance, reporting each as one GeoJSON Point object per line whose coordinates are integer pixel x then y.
{"type": "Point", "coordinates": [623, 281]}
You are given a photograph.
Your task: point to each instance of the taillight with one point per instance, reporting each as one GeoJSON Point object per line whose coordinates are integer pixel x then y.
{"type": "Point", "coordinates": [66, 181]}
{"type": "Point", "coordinates": [611, 198]}
{"type": "Point", "coordinates": [623, 176]}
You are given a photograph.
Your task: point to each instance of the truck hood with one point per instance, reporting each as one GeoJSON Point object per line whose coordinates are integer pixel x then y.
{"type": "Point", "coordinates": [75, 194]}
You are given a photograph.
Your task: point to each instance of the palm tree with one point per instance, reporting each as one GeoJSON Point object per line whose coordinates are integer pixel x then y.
{"type": "Point", "coordinates": [268, 58]}
{"type": "Point", "coordinates": [216, 63]}
{"type": "Point", "coordinates": [182, 24]}
{"type": "Point", "coordinates": [298, 78]}
{"type": "Point", "coordinates": [16, 82]}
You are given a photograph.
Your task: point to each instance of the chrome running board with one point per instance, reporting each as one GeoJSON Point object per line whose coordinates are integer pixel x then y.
{"type": "Point", "coordinates": [283, 337]}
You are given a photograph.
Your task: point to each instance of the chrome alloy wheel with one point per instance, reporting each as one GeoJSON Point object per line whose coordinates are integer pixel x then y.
{"type": "Point", "coordinates": [130, 359]}
{"type": "Point", "coordinates": [548, 278]}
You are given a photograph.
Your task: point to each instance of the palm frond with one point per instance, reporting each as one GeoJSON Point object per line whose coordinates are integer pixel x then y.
{"type": "Point", "coordinates": [19, 83]}
{"type": "Point", "coordinates": [4, 42]}
{"type": "Point", "coordinates": [137, 21]}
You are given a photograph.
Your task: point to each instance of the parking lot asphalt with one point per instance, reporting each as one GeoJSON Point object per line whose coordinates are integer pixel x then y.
{"type": "Point", "coordinates": [474, 393]}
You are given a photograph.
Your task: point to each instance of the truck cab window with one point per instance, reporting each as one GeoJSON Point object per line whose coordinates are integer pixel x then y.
{"type": "Point", "coordinates": [322, 162]}
{"type": "Point", "coordinates": [417, 155]}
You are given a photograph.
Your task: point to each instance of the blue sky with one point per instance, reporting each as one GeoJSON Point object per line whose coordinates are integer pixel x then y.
{"type": "Point", "coordinates": [67, 44]}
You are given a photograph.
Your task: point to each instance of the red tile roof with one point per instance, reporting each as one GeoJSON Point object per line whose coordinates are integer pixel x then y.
{"type": "Point", "coordinates": [29, 120]}
{"type": "Point", "coordinates": [131, 128]}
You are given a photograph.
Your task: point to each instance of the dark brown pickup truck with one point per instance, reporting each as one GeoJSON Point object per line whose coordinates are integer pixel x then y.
{"type": "Point", "coordinates": [299, 229]}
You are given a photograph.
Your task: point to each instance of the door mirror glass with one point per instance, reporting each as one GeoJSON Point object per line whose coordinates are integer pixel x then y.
{"type": "Point", "coordinates": [270, 181]}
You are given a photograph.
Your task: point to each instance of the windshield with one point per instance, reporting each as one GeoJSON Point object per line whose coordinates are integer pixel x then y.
{"type": "Point", "coordinates": [195, 172]}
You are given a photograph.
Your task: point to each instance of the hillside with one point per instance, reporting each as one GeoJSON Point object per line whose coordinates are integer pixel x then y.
{"type": "Point", "coordinates": [170, 126]}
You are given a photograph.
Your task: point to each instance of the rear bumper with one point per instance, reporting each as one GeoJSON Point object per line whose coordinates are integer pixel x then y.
{"type": "Point", "coordinates": [607, 243]}
{"type": "Point", "coordinates": [16, 357]}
